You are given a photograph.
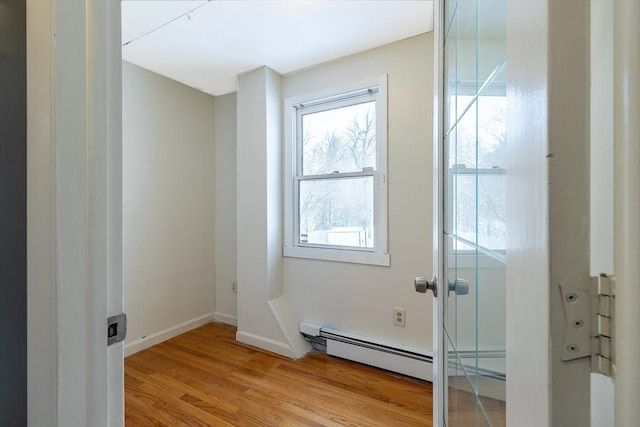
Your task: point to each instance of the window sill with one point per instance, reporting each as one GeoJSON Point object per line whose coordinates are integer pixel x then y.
{"type": "Point", "coordinates": [338, 255]}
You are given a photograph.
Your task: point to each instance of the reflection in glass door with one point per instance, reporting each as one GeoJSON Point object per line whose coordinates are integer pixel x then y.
{"type": "Point", "coordinates": [474, 183]}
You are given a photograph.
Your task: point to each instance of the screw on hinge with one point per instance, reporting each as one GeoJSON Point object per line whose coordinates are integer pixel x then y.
{"type": "Point", "coordinates": [571, 297]}
{"type": "Point", "coordinates": [572, 348]}
{"type": "Point", "coordinates": [578, 324]}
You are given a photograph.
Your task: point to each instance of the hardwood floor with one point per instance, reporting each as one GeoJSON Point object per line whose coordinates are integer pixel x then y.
{"type": "Point", "coordinates": [206, 378]}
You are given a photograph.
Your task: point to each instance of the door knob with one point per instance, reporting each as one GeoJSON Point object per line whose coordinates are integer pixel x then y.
{"type": "Point", "coordinates": [459, 287]}
{"type": "Point", "coordinates": [423, 285]}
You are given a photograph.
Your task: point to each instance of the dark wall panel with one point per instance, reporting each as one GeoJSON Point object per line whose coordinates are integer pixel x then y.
{"type": "Point", "coordinates": [13, 214]}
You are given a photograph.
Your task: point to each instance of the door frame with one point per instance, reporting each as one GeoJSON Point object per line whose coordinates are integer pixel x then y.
{"type": "Point", "coordinates": [626, 96]}
{"type": "Point", "coordinates": [74, 216]}
{"type": "Point", "coordinates": [548, 192]}
{"type": "Point", "coordinates": [75, 224]}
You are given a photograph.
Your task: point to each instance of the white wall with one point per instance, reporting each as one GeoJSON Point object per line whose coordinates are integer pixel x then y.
{"type": "Point", "coordinates": [360, 298]}
{"type": "Point", "coordinates": [225, 206]}
{"type": "Point", "coordinates": [169, 209]}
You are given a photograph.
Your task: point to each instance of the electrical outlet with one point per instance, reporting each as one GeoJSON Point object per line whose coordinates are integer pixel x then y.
{"type": "Point", "coordinates": [399, 317]}
{"type": "Point", "coordinates": [234, 287]}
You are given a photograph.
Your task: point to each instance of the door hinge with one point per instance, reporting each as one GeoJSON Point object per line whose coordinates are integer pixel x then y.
{"type": "Point", "coordinates": [602, 352]}
{"type": "Point", "coordinates": [589, 321]}
{"type": "Point", "coordinates": [116, 329]}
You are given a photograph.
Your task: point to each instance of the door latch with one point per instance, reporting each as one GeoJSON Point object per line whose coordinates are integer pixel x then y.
{"type": "Point", "coordinates": [116, 329]}
{"type": "Point", "coordinates": [459, 287]}
{"type": "Point", "coordinates": [423, 285]}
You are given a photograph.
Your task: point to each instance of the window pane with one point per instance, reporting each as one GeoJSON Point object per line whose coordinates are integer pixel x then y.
{"type": "Point", "coordinates": [337, 212]}
{"type": "Point", "coordinates": [492, 131]}
{"type": "Point", "coordinates": [488, 228]}
{"type": "Point", "coordinates": [341, 139]}
{"type": "Point", "coordinates": [481, 133]}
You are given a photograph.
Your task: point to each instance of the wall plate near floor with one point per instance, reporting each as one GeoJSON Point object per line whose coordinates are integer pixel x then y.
{"type": "Point", "coordinates": [399, 317]}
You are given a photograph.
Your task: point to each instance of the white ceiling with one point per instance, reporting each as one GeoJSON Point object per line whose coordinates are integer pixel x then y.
{"type": "Point", "coordinates": [205, 44]}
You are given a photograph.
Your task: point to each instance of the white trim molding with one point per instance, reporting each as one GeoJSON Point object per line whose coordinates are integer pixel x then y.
{"type": "Point", "coordinates": [229, 319]}
{"type": "Point", "coordinates": [162, 336]}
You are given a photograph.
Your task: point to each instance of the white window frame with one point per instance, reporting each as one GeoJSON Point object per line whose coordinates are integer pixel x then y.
{"type": "Point", "coordinates": [378, 255]}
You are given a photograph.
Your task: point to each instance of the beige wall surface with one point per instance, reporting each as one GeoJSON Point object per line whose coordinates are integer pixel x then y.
{"type": "Point", "coordinates": [360, 298]}
{"type": "Point", "coordinates": [226, 223]}
{"type": "Point", "coordinates": [169, 209]}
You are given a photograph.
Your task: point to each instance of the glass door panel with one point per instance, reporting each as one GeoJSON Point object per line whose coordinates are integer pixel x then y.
{"type": "Point", "coordinates": [491, 37]}
{"type": "Point", "coordinates": [474, 184]}
{"type": "Point", "coordinates": [450, 77]}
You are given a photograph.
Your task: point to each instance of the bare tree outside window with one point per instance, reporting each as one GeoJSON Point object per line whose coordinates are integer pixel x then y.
{"type": "Point", "coordinates": [478, 175]}
{"type": "Point", "coordinates": [335, 167]}
{"type": "Point", "coordinates": [338, 211]}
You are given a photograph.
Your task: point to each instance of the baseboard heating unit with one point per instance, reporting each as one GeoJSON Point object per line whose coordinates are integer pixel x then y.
{"type": "Point", "coordinates": [363, 350]}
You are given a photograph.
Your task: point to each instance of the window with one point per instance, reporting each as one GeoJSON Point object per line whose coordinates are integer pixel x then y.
{"type": "Point", "coordinates": [477, 173]}
{"type": "Point", "coordinates": [335, 174]}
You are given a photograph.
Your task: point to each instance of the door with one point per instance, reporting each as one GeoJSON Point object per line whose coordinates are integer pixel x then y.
{"type": "Point", "coordinates": [471, 145]}
{"type": "Point", "coordinates": [548, 202]}
{"type": "Point", "coordinates": [474, 211]}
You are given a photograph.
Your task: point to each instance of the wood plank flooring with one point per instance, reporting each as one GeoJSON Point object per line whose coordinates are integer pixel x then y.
{"type": "Point", "coordinates": [206, 378]}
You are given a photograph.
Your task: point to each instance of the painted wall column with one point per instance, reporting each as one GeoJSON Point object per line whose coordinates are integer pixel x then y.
{"type": "Point", "coordinates": [265, 316]}
{"type": "Point", "coordinates": [627, 210]}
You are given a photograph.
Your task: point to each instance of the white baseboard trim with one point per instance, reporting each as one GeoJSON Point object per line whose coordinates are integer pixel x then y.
{"type": "Point", "coordinates": [158, 337]}
{"type": "Point", "coordinates": [265, 344]}
{"type": "Point", "coordinates": [226, 318]}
